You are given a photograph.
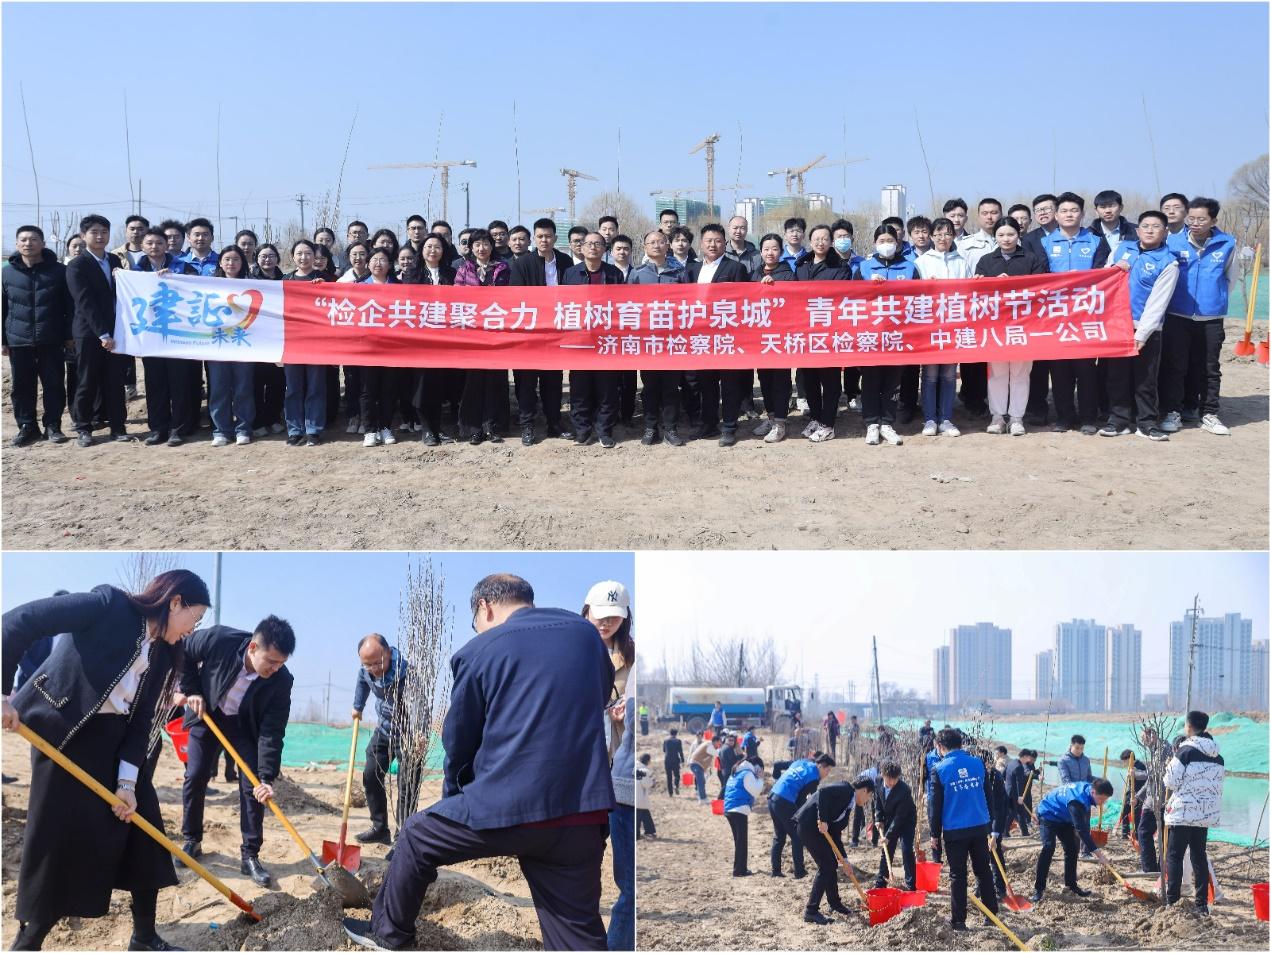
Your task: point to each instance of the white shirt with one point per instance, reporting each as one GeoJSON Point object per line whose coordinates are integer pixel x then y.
{"type": "Point", "coordinates": [121, 697]}
{"type": "Point", "coordinates": [434, 274]}
{"type": "Point", "coordinates": [234, 697]}
{"type": "Point", "coordinates": [549, 271]}
{"type": "Point", "coordinates": [707, 274]}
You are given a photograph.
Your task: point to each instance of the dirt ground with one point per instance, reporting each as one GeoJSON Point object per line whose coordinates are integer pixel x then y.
{"type": "Point", "coordinates": [1041, 491]}
{"type": "Point", "coordinates": [688, 900]}
{"type": "Point", "coordinates": [481, 905]}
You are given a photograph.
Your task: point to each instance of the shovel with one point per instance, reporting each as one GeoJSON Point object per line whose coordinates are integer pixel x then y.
{"type": "Point", "coordinates": [93, 785]}
{"type": "Point", "coordinates": [1013, 900]}
{"type": "Point", "coordinates": [1134, 891]}
{"type": "Point", "coordinates": [350, 858]}
{"type": "Point", "coordinates": [351, 890]}
{"type": "Point", "coordinates": [851, 874]}
{"type": "Point", "coordinates": [1244, 347]}
{"type": "Point", "coordinates": [970, 895]}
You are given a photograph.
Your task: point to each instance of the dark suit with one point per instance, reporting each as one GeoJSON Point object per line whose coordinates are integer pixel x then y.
{"type": "Point", "coordinates": [533, 387]}
{"type": "Point", "coordinates": [526, 775]}
{"type": "Point", "coordinates": [213, 661]}
{"type": "Point", "coordinates": [93, 298]}
{"type": "Point", "coordinates": [593, 395]}
{"type": "Point", "coordinates": [1037, 409]}
{"type": "Point", "coordinates": [173, 385]}
{"type": "Point", "coordinates": [832, 804]}
{"type": "Point", "coordinates": [897, 815]}
{"type": "Point", "coordinates": [705, 389]}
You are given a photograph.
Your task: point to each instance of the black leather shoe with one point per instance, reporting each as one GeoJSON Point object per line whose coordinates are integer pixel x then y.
{"type": "Point", "coordinates": [527, 436]}
{"type": "Point", "coordinates": [26, 436]}
{"type": "Point", "coordinates": [175, 440]}
{"type": "Point", "coordinates": [674, 439]}
{"type": "Point", "coordinates": [816, 916]}
{"type": "Point", "coordinates": [582, 438]}
{"type": "Point", "coordinates": [193, 848]}
{"type": "Point", "coordinates": [493, 436]}
{"type": "Point", "coordinates": [312, 439]}
{"type": "Point", "coordinates": [650, 437]}
{"type": "Point", "coordinates": [562, 433]}
{"type": "Point", "coordinates": [155, 942]}
{"type": "Point", "coordinates": [252, 866]}
{"type": "Point", "coordinates": [123, 438]}
{"type": "Point", "coordinates": [840, 908]}
{"type": "Point", "coordinates": [728, 438]}
{"type": "Point", "coordinates": [1077, 891]}
{"type": "Point", "coordinates": [777, 873]}
{"type": "Point", "coordinates": [84, 440]}
{"type": "Point", "coordinates": [957, 927]}
{"type": "Point", "coordinates": [295, 439]}
{"type": "Point", "coordinates": [800, 874]}
{"type": "Point", "coordinates": [376, 835]}
{"type": "Point", "coordinates": [155, 438]}
{"type": "Point", "coordinates": [1036, 897]}
{"type": "Point", "coordinates": [53, 435]}
{"type": "Point", "coordinates": [474, 438]}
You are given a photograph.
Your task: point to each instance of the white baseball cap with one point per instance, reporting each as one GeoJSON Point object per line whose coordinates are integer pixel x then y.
{"type": "Point", "coordinates": [608, 599]}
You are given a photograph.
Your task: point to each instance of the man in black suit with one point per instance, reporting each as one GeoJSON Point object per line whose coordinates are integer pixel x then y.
{"type": "Point", "coordinates": [526, 775]}
{"type": "Point", "coordinates": [90, 280]}
{"type": "Point", "coordinates": [896, 814]}
{"type": "Point", "coordinates": [546, 266]}
{"type": "Point", "coordinates": [241, 679]}
{"type": "Point", "coordinates": [713, 268]}
{"type": "Point", "coordinates": [593, 395]}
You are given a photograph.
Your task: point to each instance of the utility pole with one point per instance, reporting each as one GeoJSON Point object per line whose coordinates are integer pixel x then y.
{"type": "Point", "coordinates": [139, 212]}
{"type": "Point", "coordinates": [235, 218]}
{"type": "Point", "coordinates": [1191, 650]}
{"type": "Point", "coordinates": [301, 200]}
{"type": "Point", "coordinates": [216, 590]}
{"type": "Point", "coordinates": [445, 176]}
{"type": "Point", "coordinates": [878, 689]}
{"type": "Point", "coordinates": [467, 205]}
{"type": "Point", "coordinates": [326, 702]}
{"type": "Point", "coordinates": [741, 666]}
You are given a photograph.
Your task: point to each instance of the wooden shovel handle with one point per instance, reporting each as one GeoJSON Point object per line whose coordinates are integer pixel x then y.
{"type": "Point", "coordinates": [996, 922]}
{"type": "Point", "coordinates": [848, 867]}
{"type": "Point", "coordinates": [348, 781]}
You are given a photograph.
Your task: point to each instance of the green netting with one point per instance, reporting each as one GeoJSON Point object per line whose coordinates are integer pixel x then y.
{"type": "Point", "coordinates": [322, 744]}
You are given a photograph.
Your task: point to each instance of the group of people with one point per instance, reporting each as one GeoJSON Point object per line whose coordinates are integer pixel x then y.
{"type": "Point", "coordinates": [975, 798]}
{"type": "Point", "coordinates": [106, 688]}
{"type": "Point", "coordinates": [1181, 269]}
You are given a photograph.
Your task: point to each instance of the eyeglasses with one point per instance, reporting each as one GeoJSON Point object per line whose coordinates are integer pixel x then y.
{"type": "Point", "coordinates": [1196, 221]}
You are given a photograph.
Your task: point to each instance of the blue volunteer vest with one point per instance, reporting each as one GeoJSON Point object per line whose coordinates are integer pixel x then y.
{"type": "Point", "coordinates": [794, 779]}
{"type": "Point", "coordinates": [933, 758]}
{"type": "Point", "coordinates": [1145, 268]}
{"type": "Point", "coordinates": [1070, 254]}
{"type": "Point", "coordinates": [902, 268]}
{"type": "Point", "coordinates": [962, 777]}
{"type": "Point", "coordinates": [1054, 806]}
{"type": "Point", "coordinates": [735, 794]}
{"type": "Point", "coordinates": [1202, 282]}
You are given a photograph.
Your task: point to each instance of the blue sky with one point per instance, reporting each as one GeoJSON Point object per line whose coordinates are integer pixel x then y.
{"type": "Point", "coordinates": [828, 605]}
{"type": "Point", "coordinates": [331, 599]}
{"type": "Point", "coordinates": [990, 82]}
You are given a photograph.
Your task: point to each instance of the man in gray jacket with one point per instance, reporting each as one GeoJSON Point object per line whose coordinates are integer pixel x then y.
{"type": "Point", "coordinates": [1074, 765]}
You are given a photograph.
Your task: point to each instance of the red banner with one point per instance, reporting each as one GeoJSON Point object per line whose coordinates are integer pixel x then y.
{"type": "Point", "coordinates": [630, 327]}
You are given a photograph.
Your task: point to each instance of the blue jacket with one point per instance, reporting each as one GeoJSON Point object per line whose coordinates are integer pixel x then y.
{"type": "Point", "coordinates": [1083, 251]}
{"type": "Point", "coordinates": [524, 736]}
{"type": "Point", "coordinates": [957, 799]}
{"type": "Point", "coordinates": [1070, 804]}
{"type": "Point", "coordinates": [801, 775]}
{"type": "Point", "coordinates": [873, 265]}
{"type": "Point", "coordinates": [1202, 279]}
{"type": "Point", "coordinates": [387, 689]}
{"type": "Point", "coordinates": [929, 770]}
{"type": "Point", "coordinates": [735, 793]}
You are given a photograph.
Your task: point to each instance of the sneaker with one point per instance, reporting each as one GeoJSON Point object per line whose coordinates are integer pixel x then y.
{"type": "Point", "coordinates": [996, 425]}
{"type": "Point", "coordinates": [1017, 428]}
{"type": "Point", "coordinates": [1059, 427]}
{"type": "Point", "coordinates": [404, 427]}
{"type": "Point", "coordinates": [763, 428]}
{"type": "Point", "coordinates": [527, 436]}
{"type": "Point", "coordinates": [429, 439]}
{"type": "Point", "coordinates": [948, 430]}
{"type": "Point", "coordinates": [26, 436]}
{"type": "Point", "coordinates": [1191, 416]}
{"type": "Point", "coordinates": [372, 439]}
{"type": "Point", "coordinates": [354, 424]}
{"type": "Point", "coordinates": [130, 392]}
{"type": "Point", "coordinates": [276, 428]}
{"type": "Point", "coordinates": [777, 433]}
{"type": "Point", "coordinates": [1077, 891]}
{"type": "Point", "coordinates": [375, 835]}
{"type": "Point", "coordinates": [1152, 433]}
{"type": "Point", "coordinates": [822, 434]}
{"type": "Point", "coordinates": [295, 439]}
{"type": "Point", "coordinates": [809, 429]}
{"type": "Point", "coordinates": [854, 405]}
{"type": "Point", "coordinates": [650, 437]}
{"type": "Point", "coordinates": [220, 440]}
{"type": "Point", "coordinates": [156, 437]}
{"type": "Point", "coordinates": [888, 433]}
{"type": "Point", "coordinates": [871, 435]}
{"type": "Point", "coordinates": [243, 439]}
{"type": "Point", "coordinates": [673, 438]}
{"type": "Point", "coordinates": [360, 932]}
{"type": "Point", "coordinates": [801, 405]}
{"type": "Point", "coordinates": [54, 435]}
{"type": "Point", "coordinates": [1089, 430]}
{"type": "Point", "coordinates": [1112, 430]}
{"type": "Point", "coordinates": [386, 435]}
{"type": "Point", "coordinates": [929, 429]}
{"type": "Point", "coordinates": [312, 439]}
{"type": "Point", "coordinates": [728, 438]}
{"type": "Point", "coordinates": [261, 432]}
{"type": "Point", "coordinates": [816, 916]}
{"type": "Point", "coordinates": [607, 441]}
{"type": "Point", "coordinates": [1173, 422]}
{"type": "Point", "coordinates": [1211, 423]}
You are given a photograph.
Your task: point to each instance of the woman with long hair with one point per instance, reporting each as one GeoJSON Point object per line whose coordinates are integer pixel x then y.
{"type": "Point", "coordinates": [485, 392]}
{"type": "Point", "coordinates": [822, 385]}
{"type": "Point", "coordinates": [379, 384]}
{"type": "Point", "coordinates": [231, 384]}
{"type": "Point", "coordinates": [305, 406]}
{"type": "Point", "coordinates": [774, 382]}
{"type": "Point", "coordinates": [100, 698]}
{"type": "Point", "coordinates": [434, 385]}
{"type": "Point", "coordinates": [270, 381]}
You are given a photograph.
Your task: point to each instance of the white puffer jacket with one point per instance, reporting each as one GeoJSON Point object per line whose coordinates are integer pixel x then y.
{"type": "Point", "coordinates": [1195, 776]}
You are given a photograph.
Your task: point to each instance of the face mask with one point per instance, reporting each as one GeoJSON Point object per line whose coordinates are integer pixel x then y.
{"type": "Point", "coordinates": [885, 249]}
{"type": "Point", "coordinates": [842, 245]}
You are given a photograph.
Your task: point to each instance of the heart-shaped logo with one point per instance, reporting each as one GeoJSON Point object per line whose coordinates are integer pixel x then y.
{"type": "Point", "coordinates": [247, 303]}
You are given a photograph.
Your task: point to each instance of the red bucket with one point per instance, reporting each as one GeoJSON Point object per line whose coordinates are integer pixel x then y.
{"type": "Point", "coordinates": [912, 898]}
{"type": "Point", "coordinates": [180, 739]}
{"type": "Point", "coordinates": [686, 778]}
{"type": "Point", "coordinates": [884, 903]}
{"type": "Point", "coordinates": [927, 876]}
{"type": "Point", "coordinates": [707, 735]}
{"type": "Point", "coordinates": [717, 806]}
{"type": "Point", "coordinates": [1260, 900]}
{"type": "Point", "coordinates": [1100, 838]}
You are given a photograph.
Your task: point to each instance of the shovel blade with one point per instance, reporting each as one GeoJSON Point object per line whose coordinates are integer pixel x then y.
{"type": "Point", "coordinates": [350, 858]}
{"type": "Point", "coordinates": [1015, 902]}
{"type": "Point", "coordinates": [353, 892]}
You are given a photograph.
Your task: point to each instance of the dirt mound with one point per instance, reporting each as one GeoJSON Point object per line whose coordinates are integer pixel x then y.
{"type": "Point", "coordinates": [13, 828]}
{"type": "Point", "coordinates": [918, 928]}
{"type": "Point", "coordinates": [463, 913]}
{"type": "Point", "coordinates": [287, 924]}
{"type": "Point", "coordinates": [499, 868]}
{"type": "Point", "coordinates": [294, 799]}
{"type": "Point", "coordinates": [1161, 925]}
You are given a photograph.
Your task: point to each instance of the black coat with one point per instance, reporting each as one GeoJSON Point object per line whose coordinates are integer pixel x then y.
{"type": "Point", "coordinates": [896, 812]}
{"type": "Point", "coordinates": [1033, 242]}
{"type": "Point", "coordinates": [833, 803]}
{"type": "Point", "coordinates": [213, 659]}
{"type": "Point", "coordinates": [728, 270]}
{"type": "Point", "coordinates": [445, 275]}
{"type": "Point", "coordinates": [673, 749]}
{"type": "Point", "coordinates": [577, 274]}
{"type": "Point", "coordinates": [530, 269]}
{"type": "Point", "coordinates": [106, 634]}
{"type": "Point", "coordinates": [1017, 781]}
{"type": "Point", "coordinates": [524, 736]}
{"type": "Point", "coordinates": [728, 757]}
{"type": "Point", "coordinates": [1025, 261]}
{"type": "Point", "coordinates": [92, 296]}
{"type": "Point", "coordinates": [783, 272]}
{"type": "Point", "coordinates": [36, 303]}
{"type": "Point", "coordinates": [834, 268]}
{"type": "Point", "coordinates": [998, 803]}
